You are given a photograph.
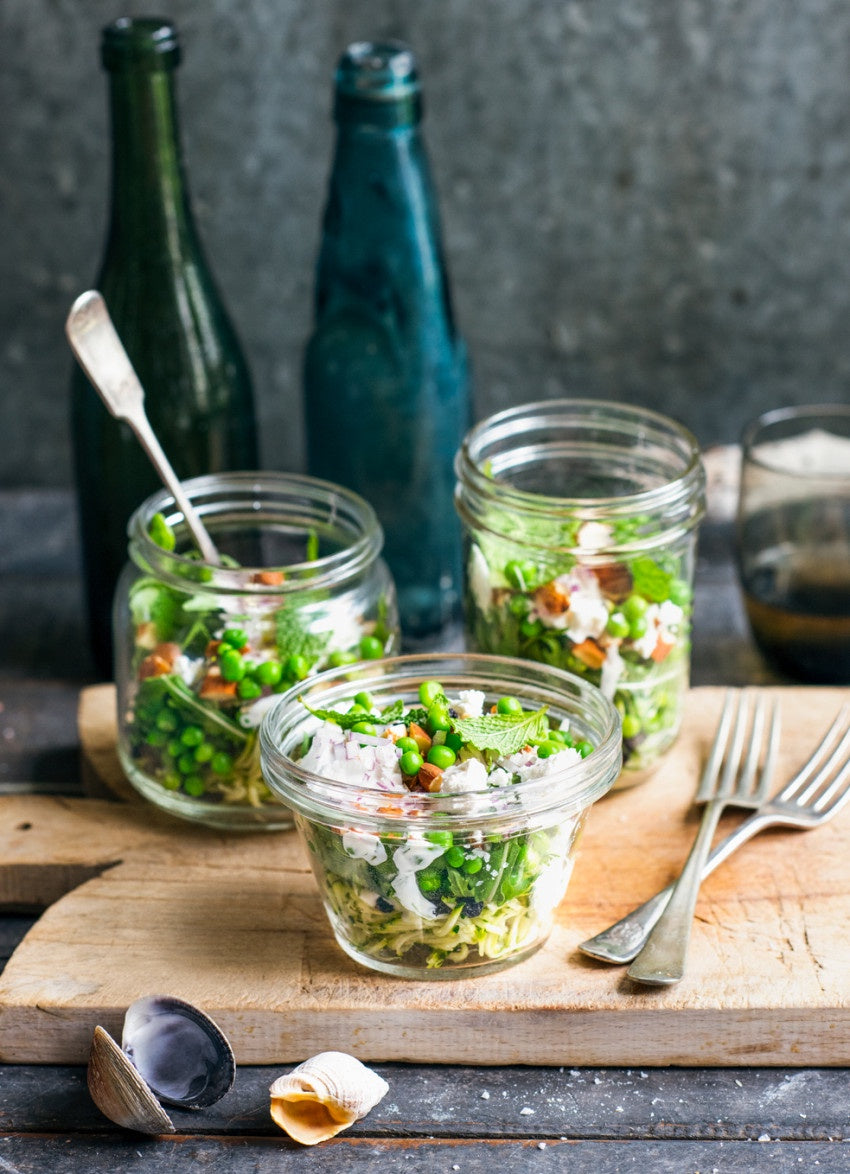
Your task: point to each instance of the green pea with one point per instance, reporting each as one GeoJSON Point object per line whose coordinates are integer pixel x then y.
{"type": "Point", "coordinates": [634, 606]}
{"type": "Point", "coordinates": [548, 748]}
{"type": "Point", "coordinates": [221, 763]}
{"type": "Point", "coordinates": [364, 728]}
{"type": "Point", "coordinates": [175, 748]}
{"type": "Point", "coordinates": [337, 660]}
{"type": "Point", "coordinates": [186, 764]}
{"type": "Point", "coordinates": [472, 865]}
{"type": "Point", "coordinates": [204, 752]}
{"type": "Point", "coordinates": [405, 744]}
{"type": "Point", "coordinates": [508, 705]}
{"type": "Point", "coordinates": [192, 736]}
{"type": "Point", "coordinates": [249, 690]}
{"type": "Point", "coordinates": [296, 668]}
{"type": "Point", "coordinates": [521, 573]}
{"type": "Point", "coordinates": [531, 628]}
{"type": "Point", "coordinates": [157, 738]}
{"type": "Point", "coordinates": [235, 637]}
{"type": "Point", "coordinates": [232, 664]}
{"type": "Point", "coordinates": [638, 627]}
{"type": "Point", "coordinates": [455, 857]}
{"type": "Point", "coordinates": [617, 626]}
{"type": "Point", "coordinates": [171, 781]}
{"type": "Point", "coordinates": [428, 882]}
{"type": "Point", "coordinates": [454, 742]}
{"type": "Point", "coordinates": [429, 692]}
{"type": "Point", "coordinates": [558, 736]}
{"type": "Point", "coordinates": [365, 700]}
{"type": "Point", "coordinates": [584, 747]}
{"type": "Point", "coordinates": [194, 786]}
{"type": "Point", "coordinates": [518, 605]}
{"type": "Point", "coordinates": [443, 838]}
{"type": "Point", "coordinates": [442, 756]}
{"type": "Point", "coordinates": [268, 672]}
{"type": "Point", "coordinates": [631, 725]}
{"type": "Point", "coordinates": [680, 593]}
{"type": "Point", "coordinates": [371, 648]}
{"type": "Point", "coordinates": [411, 762]}
{"type": "Point", "coordinates": [438, 718]}
{"type": "Point", "coordinates": [167, 721]}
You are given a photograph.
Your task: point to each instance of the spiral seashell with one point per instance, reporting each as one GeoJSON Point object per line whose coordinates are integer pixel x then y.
{"type": "Point", "coordinates": [324, 1095]}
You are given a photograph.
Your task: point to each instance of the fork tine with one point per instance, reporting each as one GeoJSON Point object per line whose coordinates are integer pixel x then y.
{"type": "Point", "coordinates": [733, 758]}
{"type": "Point", "coordinates": [837, 793]}
{"type": "Point", "coordinates": [748, 773]}
{"type": "Point", "coordinates": [769, 767]}
{"type": "Point", "coordinates": [798, 782]}
{"type": "Point", "coordinates": [823, 774]}
{"type": "Point", "coordinates": [708, 782]}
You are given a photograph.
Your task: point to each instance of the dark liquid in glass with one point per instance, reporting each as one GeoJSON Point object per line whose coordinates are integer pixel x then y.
{"type": "Point", "coordinates": [800, 615]}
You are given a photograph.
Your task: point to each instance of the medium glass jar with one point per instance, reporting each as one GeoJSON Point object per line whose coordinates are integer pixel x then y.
{"type": "Point", "coordinates": [580, 521]}
{"type": "Point", "coordinates": [432, 884]}
{"type": "Point", "coordinates": [201, 650]}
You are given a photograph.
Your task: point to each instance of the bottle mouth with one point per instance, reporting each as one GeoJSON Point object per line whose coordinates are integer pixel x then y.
{"type": "Point", "coordinates": [147, 41]}
{"type": "Point", "coordinates": [377, 83]}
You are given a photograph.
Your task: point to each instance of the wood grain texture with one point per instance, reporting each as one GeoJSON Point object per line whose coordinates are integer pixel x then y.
{"type": "Point", "coordinates": [235, 925]}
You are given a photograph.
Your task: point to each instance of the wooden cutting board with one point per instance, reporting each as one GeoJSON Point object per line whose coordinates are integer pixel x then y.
{"type": "Point", "coordinates": [138, 904]}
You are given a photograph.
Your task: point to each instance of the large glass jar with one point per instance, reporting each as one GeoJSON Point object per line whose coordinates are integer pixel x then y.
{"type": "Point", "coordinates": [465, 877]}
{"type": "Point", "coordinates": [580, 522]}
{"type": "Point", "coordinates": [202, 650]}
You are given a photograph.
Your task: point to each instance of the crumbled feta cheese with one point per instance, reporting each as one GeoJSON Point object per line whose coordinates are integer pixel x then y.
{"type": "Point", "coordinates": [645, 645]}
{"type": "Point", "coordinates": [548, 889]}
{"type": "Point", "coordinates": [613, 668]}
{"type": "Point", "coordinates": [587, 616]}
{"type": "Point", "coordinates": [594, 535]}
{"type": "Point", "coordinates": [470, 775]}
{"type": "Point", "coordinates": [410, 897]}
{"type": "Point", "coordinates": [469, 703]}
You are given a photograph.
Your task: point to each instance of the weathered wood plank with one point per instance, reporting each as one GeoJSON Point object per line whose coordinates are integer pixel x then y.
{"type": "Point", "coordinates": [185, 1155]}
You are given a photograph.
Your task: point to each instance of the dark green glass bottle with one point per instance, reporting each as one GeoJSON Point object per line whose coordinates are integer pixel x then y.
{"type": "Point", "coordinates": [385, 374]}
{"type": "Point", "coordinates": [169, 315]}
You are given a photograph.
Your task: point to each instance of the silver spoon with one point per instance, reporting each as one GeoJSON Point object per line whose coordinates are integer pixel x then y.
{"type": "Point", "coordinates": [100, 352]}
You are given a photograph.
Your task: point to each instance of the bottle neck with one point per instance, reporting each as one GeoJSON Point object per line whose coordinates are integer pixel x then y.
{"type": "Point", "coordinates": [149, 192]}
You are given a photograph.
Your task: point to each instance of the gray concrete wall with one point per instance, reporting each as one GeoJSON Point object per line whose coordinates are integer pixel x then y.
{"type": "Point", "coordinates": [642, 200]}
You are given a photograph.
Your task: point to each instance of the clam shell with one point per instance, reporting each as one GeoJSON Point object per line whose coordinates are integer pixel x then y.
{"type": "Point", "coordinates": [118, 1090]}
{"type": "Point", "coordinates": [179, 1051]}
{"type": "Point", "coordinates": [324, 1095]}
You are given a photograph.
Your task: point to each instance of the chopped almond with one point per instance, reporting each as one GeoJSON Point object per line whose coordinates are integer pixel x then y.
{"type": "Point", "coordinates": [420, 737]}
{"type": "Point", "coordinates": [146, 634]}
{"type": "Point", "coordinates": [615, 581]}
{"type": "Point", "coordinates": [153, 666]}
{"type": "Point", "coordinates": [169, 652]}
{"type": "Point", "coordinates": [268, 578]}
{"type": "Point", "coordinates": [430, 777]}
{"type": "Point", "coordinates": [589, 653]}
{"type": "Point", "coordinates": [552, 598]}
{"type": "Point", "coordinates": [661, 650]}
{"type": "Point", "coordinates": [215, 688]}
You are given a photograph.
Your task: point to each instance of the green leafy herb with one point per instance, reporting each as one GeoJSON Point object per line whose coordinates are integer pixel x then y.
{"type": "Point", "coordinates": [208, 716]}
{"type": "Point", "coordinates": [161, 533]}
{"type": "Point", "coordinates": [417, 714]}
{"type": "Point", "coordinates": [650, 580]}
{"type": "Point", "coordinates": [312, 546]}
{"type": "Point", "coordinates": [506, 733]}
{"type": "Point", "coordinates": [393, 713]}
{"type": "Point", "coordinates": [344, 720]}
{"type": "Point", "coordinates": [294, 640]}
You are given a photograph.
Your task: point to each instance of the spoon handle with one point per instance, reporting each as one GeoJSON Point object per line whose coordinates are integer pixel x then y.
{"type": "Point", "coordinates": [100, 352]}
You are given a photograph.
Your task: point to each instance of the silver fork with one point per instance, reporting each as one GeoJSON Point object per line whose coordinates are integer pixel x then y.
{"type": "Point", "coordinates": [814, 795]}
{"type": "Point", "coordinates": [662, 959]}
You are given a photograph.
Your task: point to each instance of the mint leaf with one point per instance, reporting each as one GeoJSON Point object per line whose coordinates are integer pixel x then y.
{"type": "Point", "coordinates": [293, 640]}
{"type": "Point", "coordinates": [506, 733]}
{"type": "Point", "coordinates": [344, 720]}
{"type": "Point", "coordinates": [650, 580]}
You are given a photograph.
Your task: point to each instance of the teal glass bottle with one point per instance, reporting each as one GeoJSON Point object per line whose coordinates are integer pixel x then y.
{"type": "Point", "coordinates": [167, 310]}
{"type": "Point", "coordinates": [386, 386]}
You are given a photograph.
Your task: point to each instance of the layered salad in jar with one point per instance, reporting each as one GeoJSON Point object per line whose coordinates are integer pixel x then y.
{"type": "Point", "coordinates": [205, 666]}
{"type": "Point", "coordinates": [473, 886]}
{"type": "Point", "coordinates": [620, 620]}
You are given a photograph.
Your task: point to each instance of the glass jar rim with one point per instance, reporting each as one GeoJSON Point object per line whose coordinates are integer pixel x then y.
{"type": "Point", "coordinates": [219, 496]}
{"type": "Point", "coordinates": [678, 503]}
{"type": "Point", "coordinates": [573, 788]}
{"type": "Point", "coordinates": [750, 438]}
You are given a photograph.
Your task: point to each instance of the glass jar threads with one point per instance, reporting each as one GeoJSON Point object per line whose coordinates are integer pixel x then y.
{"type": "Point", "coordinates": [202, 650]}
{"type": "Point", "coordinates": [580, 522]}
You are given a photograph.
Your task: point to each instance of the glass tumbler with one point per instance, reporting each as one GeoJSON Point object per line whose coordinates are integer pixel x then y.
{"type": "Point", "coordinates": [793, 539]}
{"type": "Point", "coordinates": [202, 650]}
{"type": "Point", "coordinates": [580, 522]}
{"type": "Point", "coordinates": [432, 885]}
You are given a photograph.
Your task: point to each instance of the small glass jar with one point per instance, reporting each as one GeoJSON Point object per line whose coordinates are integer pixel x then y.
{"type": "Point", "coordinates": [202, 650]}
{"type": "Point", "coordinates": [580, 522]}
{"type": "Point", "coordinates": [433, 885]}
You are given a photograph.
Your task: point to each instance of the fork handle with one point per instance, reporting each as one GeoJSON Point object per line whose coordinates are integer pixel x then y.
{"type": "Point", "coordinates": [625, 939]}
